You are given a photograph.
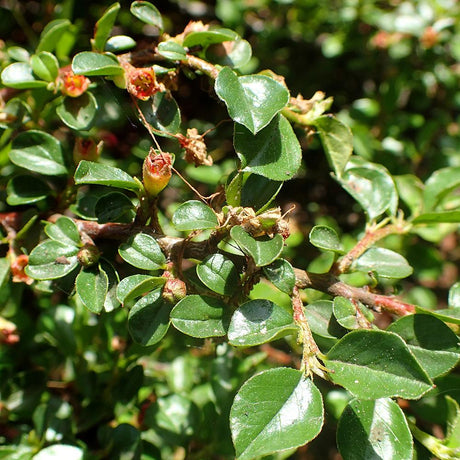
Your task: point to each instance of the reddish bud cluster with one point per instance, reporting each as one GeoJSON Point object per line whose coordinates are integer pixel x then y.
{"type": "Point", "coordinates": [156, 172]}
{"type": "Point", "coordinates": [86, 149]}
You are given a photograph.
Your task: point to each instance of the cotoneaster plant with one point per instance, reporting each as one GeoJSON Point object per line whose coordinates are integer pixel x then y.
{"type": "Point", "coordinates": [231, 350]}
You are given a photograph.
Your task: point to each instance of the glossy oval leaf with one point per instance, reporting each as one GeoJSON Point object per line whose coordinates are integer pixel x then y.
{"type": "Point", "coordinates": [19, 75]}
{"type": "Point", "coordinates": [163, 113]}
{"type": "Point", "coordinates": [233, 54]}
{"type": "Point", "coordinates": [275, 410]}
{"type": "Point", "coordinates": [95, 64]}
{"type": "Point", "coordinates": [26, 189]}
{"type": "Point", "coordinates": [326, 238]}
{"type": "Point", "coordinates": [454, 295]}
{"type": "Point", "coordinates": [374, 429]}
{"type": "Point", "coordinates": [78, 112]}
{"type": "Point", "coordinates": [148, 320]}
{"type": "Point", "coordinates": [92, 287]}
{"type": "Point", "coordinates": [437, 218]}
{"type": "Point", "coordinates": [111, 302]}
{"type": "Point", "coordinates": [251, 100]}
{"type": "Point", "coordinates": [142, 251]}
{"type": "Point", "coordinates": [432, 342]}
{"type": "Point", "coordinates": [259, 321]}
{"type": "Point", "coordinates": [103, 27]}
{"type": "Point", "coordinates": [448, 315]}
{"type": "Point", "coordinates": [114, 207]}
{"type": "Point", "coordinates": [345, 312]}
{"type": "Point", "coordinates": [384, 262]}
{"type": "Point", "coordinates": [60, 451]}
{"type": "Point", "coordinates": [135, 286]}
{"type": "Point", "coordinates": [45, 65]}
{"type": "Point", "coordinates": [439, 184]}
{"type": "Point", "coordinates": [376, 364]}
{"type": "Point", "coordinates": [200, 316]}
{"type": "Point", "coordinates": [205, 38]}
{"type": "Point", "coordinates": [172, 51]}
{"type": "Point", "coordinates": [194, 215]}
{"type": "Point", "coordinates": [39, 152]}
{"type": "Point", "coordinates": [147, 13]}
{"type": "Point", "coordinates": [219, 274]}
{"type": "Point", "coordinates": [274, 152]}
{"type": "Point", "coordinates": [263, 250]}
{"type": "Point", "coordinates": [119, 43]}
{"type": "Point", "coordinates": [89, 172]}
{"type": "Point", "coordinates": [64, 230]}
{"type": "Point", "coordinates": [51, 34]}
{"type": "Point", "coordinates": [281, 274]}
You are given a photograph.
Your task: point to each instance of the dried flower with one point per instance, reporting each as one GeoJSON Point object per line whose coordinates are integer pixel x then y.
{"type": "Point", "coordinates": [141, 82]}
{"type": "Point", "coordinates": [156, 171]}
{"type": "Point", "coordinates": [195, 148]}
{"type": "Point", "coordinates": [18, 265]}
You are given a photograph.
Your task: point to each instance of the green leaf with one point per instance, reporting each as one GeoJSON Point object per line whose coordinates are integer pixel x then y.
{"type": "Point", "coordinates": [376, 364]}
{"type": "Point", "coordinates": [326, 238]}
{"type": "Point", "coordinates": [64, 230]}
{"type": "Point", "coordinates": [119, 43]}
{"type": "Point", "coordinates": [51, 260]}
{"type": "Point", "coordinates": [19, 75]}
{"type": "Point", "coordinates": [200, 316]}
{"type": "Point", "coordinates": [53, 31]}
{"type": "Point", "coordinates": [26, 189]}
{"type": "Point", "coordinates": [92, 286]}
{"type": "Point", "coordinates": [163, 113]}
{"type": "Point", "coordinates": [273, 153]}
{"type": "Point", "coordinates": [439, 184]}
{"type": "Point", "coordinates": [263, 250]}
{"type": "Point", "coordinates": [38, 151]}
{"type": "Point", "coordinates": [252, 100]}
{"type": "Point", "coordinates": [275, 410]}
{"type": "Point", "coordinates": [384, 262]}
{"type": "Point", "coordinates": [60, 451]}
{"type": "Point", "coordinates": [281, 274]}
{"type": "Point", "coordinates": [18, 113]}
{"type": "Point", "coordinates": [374, 429]}
{"type": "Point", "coordinates": [234, 54]}
{"type": "Point", "coordinates": [194, 215]}
{"type": "Point", "coordinates": [135, 286]}
{"type": "Point", "coordinates": [172, 50]}
{"type": "Point", "coordinates": [259, 321]}
{"type": "Point", "coordinates": [209, 37]}
{"type": "Point", "coordinates": [147, 13]}
{"type": "Point", "coordinates": [437, 217]}
{"type": "Point", "coordinates": [148, 320]}
{"type": "Point", "coordinates": [95, 64]}
{"type": "Point", "coordinates": [337, 141]}
{"type": "Point", "coordinates": [448, 315]}
{"type": "Point", "coordinates": [111, 302]}
{"type": "Point", "coordinates": [78, 112]}
{"type": "Point", "coordinates": [142, 251]}
{"type": "Point", "coordinates": [454, 295]}
{"type": "Point", "coordinates": [4, 271]}
{"type": "Point", "coordinates": [17, 53]}
{"type": "Point", "coordinates": [89, 172]}
{"type": "Point", "coordinates": [219, 274]}
{"type": "Point", "coordinates": [104, 26]}
{"type": "Point", "coordinates": [432, 342]}
{"type": "Point", "coordinates": [45, 66]}
{"type": "Point", "coordinates": [345, 313]}
{"type": "Point", "coordinates": [114, 207]}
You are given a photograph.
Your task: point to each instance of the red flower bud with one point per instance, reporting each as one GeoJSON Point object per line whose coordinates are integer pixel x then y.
{"type": "Point", "coordinates": [174, 290]}
{"type": "Point", "coordinates": [156, 172]}
{"type": "Point", "coordinates": [18, 265]}
{"type": "Point", "coordinates": [74, 85]}
{"type": "Point", "coordinates": [86, 149]}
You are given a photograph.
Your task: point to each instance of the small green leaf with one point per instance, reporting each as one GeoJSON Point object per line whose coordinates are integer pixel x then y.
{"type": "Point", "coordinates": [252, 100]}
{"type": "Point", "coordinates": [119, 43]}
{"type": "Point", "coordinates": [64, 230]}
{"type": "Point", "coordinates": [92, 287]}
{"type": "Point", "coordinates": [448, 315]}
{"type": "Point", "coordinates": [200, 316]}
{"type": "Point", "coordinates": [53, 31]}
{"type": "Point", "coordinates": [432, 342]}
{"type": "Point", "coordinates": [273, 153]}
{"type": "Point", "coordinates": [19, 75]}
{"type": "Point", "coordinates": [26, 189]}
{"type": "Point", "coordinates": [95, 64]}
{"type": "Point", "coordinates": [437, 217]}
{"type": "Point", "coordinates": [163, 113]}
{"type": "Point", "coordinates": [194, 215]}
{"type": "Point", "coordinates": [147, 13]}
{"type": "Point", "coordinates": [263, 250]}
{"type": "Point", "coordinates": [376, 364]}
{"type": "Point", "coordinates": [209, 37]}
{"type": "Point", "coordinates": [275, 410]}
{"type": "Point", "coordinates": [59, 451]}
{"type": "Point", "coordinates": [18, 113]}
{"type": "Point", "coordinates": [114, 207]}
{"type": "Point", "coordinates": [89, 172]}
{"type": "Point", "coordinates": [281, 274]}
{"type": "Point", "coordinates": [142, 251]}
{"type": "Point", "coordinates": [219, 274]}
{"type": "Point", "coordinates": [384, 262]}
{"type": "Point", "coordinates": [234, 54]}
{"type": "Point", "coordinates": [135, 286]}
{"type": "Point", "coordinates": [374, 429]}
{"type": "Point", "coordinates": [454, 295]}
{"type": "Point", "coordinates": [172, 50]}
{"type": "Point", "coordinates": [345, 313]}
{"type": "Point", "coordinates": [104, 26]}
{"type": "Point", "coordinates": [337, 141]}
{"type": "Point", "coordinates": [111, 302]}
{"type": "Point", "coordinates": [78, 112]}
{"type": "Point", "coordinates": [259, 321]}
{"type": "Point", "coordinates": [45, 66]}
{"type": "Point", "coordinates": [17, 53]}
{"type": "Point", "coordinates": [38, 151]}
{"type": "Point", "coordinates": [4, 271]}
{"type": "Point", "coordinates": [439, 184]}
{"type": "Point", "coordinates": [326, 238]}
{"type": "Point", "coordinates": [148, 320]}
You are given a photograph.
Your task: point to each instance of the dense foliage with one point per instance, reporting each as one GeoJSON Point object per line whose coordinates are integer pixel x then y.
{"type": "Point", "coordinates": [205, 255]}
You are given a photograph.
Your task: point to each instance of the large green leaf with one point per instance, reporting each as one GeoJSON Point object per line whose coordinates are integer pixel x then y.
{"type": "Point", "coordinates": [19, 75]}
{"type": "Point", "coordinates": [252, 100]}
{"type": "Point", "coordinates": [263, 250]}
{"type": "Point", "coordinates": [78, 112]}
{"type": "Point", "coordinates": [143, 252]}
{"type": "Point", "coordinates": [376, 364]}
{"type": "Point", "coordinates": [219, 274]}
{"type": "Point", "coordinates": [26, 189]}
{"type": "Point", "coordinates": [64, 230]}
{"type": "Point", "coordinates": [51, 34]}
{"type": "Point", "coordinates": [439, 184]}
{"type": "Point", "coordinates": [432, 342]}
{"type": "Point", "coordinates": [281, 274]}
{"type": "Point", "coordinates": [92, 285]}
{"type": "Point", "coordinates": [135, 286]}
{"type": "Point", "coordinates": [374, 430]}
{"type": "Point", "coordinates": [162, 112]}
{"type": "Point", "coordinates": [235, 54]}
{"type": "Point", "coordinates": [437, 217]}
{"type": "Point", "coordinates": [384, 262]}
{"type": "Point", "coordinates": [114, 207]}
{"type": "Point", "coordinates": [259, 321]}
{"type": "Point", "coordinates": [89, 172]}
{"type": "Point", "coordinates": [95, 64]}
{"type": "Point", "coordinates": [337, 141]}
{"type": "Point", "coordinates": [275, 410]}
{"type": "Point", "coordinates": [148, 320]}
{"type": "Point", "coordinates": [147, 13]}
{"type": "Point", "coordinates": [200, 316]}
{"type": "Point", "coordinates": [45, 65]}
{"type": "Point", "coordinates": [38, 151]}
{"type": "Point", "coordinates": [448, 315]}
{"type": "Point", "coordinates": [104, 26]}
{"type": "Point", "coordinates": [274, 152]}
{"type": "Point", "coordinates": [194, 215]}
